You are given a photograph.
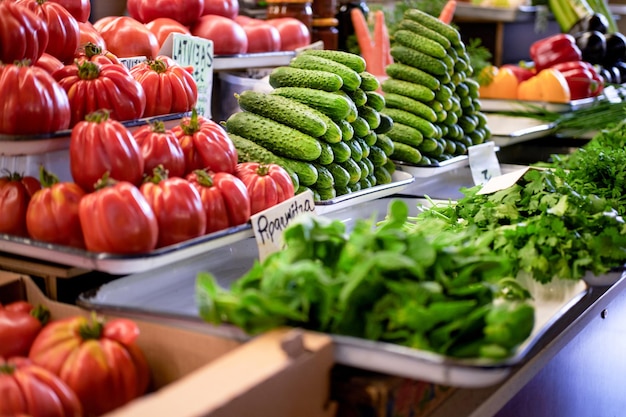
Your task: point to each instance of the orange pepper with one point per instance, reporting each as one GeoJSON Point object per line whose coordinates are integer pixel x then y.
{"type": "Point", "coordinates": [503, 84]}
{"type": "Point", "coordinates": [548, 85]}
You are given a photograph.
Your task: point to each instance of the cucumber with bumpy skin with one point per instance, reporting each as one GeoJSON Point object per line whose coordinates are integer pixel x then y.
{"type": "Point", "coordinates": [418, 60]}
{"type": "Point", "coordinates": [420, 43]}
{"type": "Point", "coordinates": [327, 155]}
{"type": "Point", "coordinates": [274, 136]}
{"type": "Point", "coordinates": [297, 77]}
{"type": "Point", "coordinates": [353, 61]}
{"type": "Point", "coordinates": [406, 153]}
{"type": "Point", "coordinates": [283, 110]}
{"type": "Point", "coordinates": [339, 173]}
{"type": "Point", "coordinates": [325, 178]}
{"type": "Point", "coordinates": [371, 116]}
{"type": "Point", "coordinates": [428, 129]}
{"type": "Point", "coordinates": [420, 29]}
{"type": "Point", "coordinates": [333, 105]}
{"type": "Point", "coordinates": [415, 91]}
{"type": "Point", "coordinates": [398, 101]}
{"type": "Point", "coordinates": [405, 134]}
{"type": "Point", "coordinates": [351, 78]}
{"type": "Point", "coordinates": [341, 151]}
{"type": "Point", "coordinates": [385, 143]}
{"type": "Point", "coordinates": [411, 74]}
{"type": "Point", "coordinates": [434, 24]}
{"type": "Point", "coordinates": [375, 100]}
{"type": "Point", "coordinates": [369, 82]}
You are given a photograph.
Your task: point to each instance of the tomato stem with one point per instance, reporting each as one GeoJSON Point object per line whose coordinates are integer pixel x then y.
{"type": "Point", "coordinates": [263, 170]}
{"type": "Point", "coordinates": [191, 125]}
{"type": "Point", "coordinates": [105, 181]}
{"type": "Point", "coordinates": [91, 49]}
{"type": "Point", "coordinates": [47, 178]}
{"type": "Point", "coordinates": [88, 70]}
{"type": "Point", "coordinates": [157, 126]}
{"type": "Point", "coordinates": [158, 65]}
{"type": "Point", "coordinates": [98, 116]}
{"type": "Point", "coordinates": [91, 330]}
{"type": "Point", "coordinates": [204, 178]}
{"type": "Point", "coordinates": [41, 313]}
{"type": "Point", "coordinates": [7, 368]}
{"type": "Point", "coordinates": [159, 173]}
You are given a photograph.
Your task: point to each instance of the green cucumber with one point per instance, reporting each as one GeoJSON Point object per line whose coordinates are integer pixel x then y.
{"type": "Point", "coordinates": [414, 75]}
{"type": "Point", "coordinates": [283, 110]}
{"type": "Point", "coordinates": [297, 77]}
{"type": "Point", "coordinates": [390, 166]}
{"type": "Point", "coordinates": [371, 116]}
{"type": "Point", "coordinates": [370, 138]}
{"type": "Point", "coordinates": [369, 82]}
{"type": "Point", "coordinates": [420, 29]}
{"type": "Point", "coordinates": [351, 78]}
{"type": "Point", "coordinates": [360, 126]}
{"type": "Point", "coordinates": [370, 166]}
{"type": "Point", "coordinates": [429, 146]}
{"type": "Point", "coordinates": [365, 147]}
{"type": "Point", "coordinates": [325, 194]}
{"type": "Point", "coordinates": [420, 43]}
{"type": "Point", "coordinates": [347, 131]}
{"type": "Point", "coordinates": [428, 129]}
{"type": "Point", "coordinates": [375, 100]}
{"type": "Point", "coordinates": [340, 175]}
{"type": "Point", "coordinates": [397, 101]}
{"type": "Point", "coordinates": [333, 133]}
{"type": "Point", "coordinates": [384, 142]}
{"type": "Point", "coordinates": [431, 22]}
{"type": "Point", "coordinates": [406, 153]}
{"type": "Point", "coordinates": [386, 123]}
{"type": "Point", "coordinates": [418, 60]}
{"type": "Point", "coordinates": [382, 174]}
{"type": "Point", "coordinates": [353, 169]}
{"type": "Point", "coordinates": [364, 169]}
{"type": "Point", "coordinates": [354, 112]}
{"type": "Point", "coordinates": [327, 156]}
{"type": "Point", "coordinates": [325, 178]}
{"type": "Point", "coordinates": [333, 105]}
{"type": "Point", "coordinates": [378, 156]}
{"type": "Point", "coordinates": [415, 91]}
{"type": "Point", "coordinates": [359, 97]}
{"type": "Point", "coordinates": [353, 61]}
{"type": "Point", "coordinates": [356, 152]}
{"type": "Point", "coordinates": [276, 137]}
{"type": "Point", "coordinates": [405, 134]}
{"type": "Point", "coordinates": [342, 151]}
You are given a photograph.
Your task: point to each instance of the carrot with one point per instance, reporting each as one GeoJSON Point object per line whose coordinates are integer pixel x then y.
{"type": "Point", "coordinates": [381, 40]}
{"type": "Point", "coordinates": [447, 13]}
{"type": "Point", "coordinates": [364, 39]}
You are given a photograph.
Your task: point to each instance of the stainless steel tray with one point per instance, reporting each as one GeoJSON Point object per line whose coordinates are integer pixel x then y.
{"type": "Point", "coordinates": [496, 105]}
{"type": "Point", "coordinates": [427, 171]}
{"type": "Point", "coordinates": [257, 60]}
{"type": "Point", "coordinates": [508, 130]}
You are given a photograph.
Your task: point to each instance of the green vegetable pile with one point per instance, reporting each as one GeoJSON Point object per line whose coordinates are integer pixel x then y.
{"type": "Point", "coordinates": [418, 284]}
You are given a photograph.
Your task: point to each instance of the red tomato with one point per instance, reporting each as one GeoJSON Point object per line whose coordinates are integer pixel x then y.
{"type": "Point", "coordinates": [63, 32]}
{"type": "Point", "coordinates": [18, 327]}
{"type": "Point", "coordinates": [91, 86]}
{"type": "Point", "coordinates": [228, 36]}
{"type": "Point", "coordinates": [124, 331]}
{"type": "Point", "coordinates": [226, 8]}
{"type": "Point", "coordinates": [80, 9]}
{"type": "Point", "coordinates": [32, 101]}
{"type": "Point", "coordinates": [89, 34]}
{"type": "Point", "coordinates": [177, 206]}
{"type": "Point", "coordinates": [92, 52]}
{"type": "Point", "coordinates": [262, 37]}
{"type": "Point", "coordinates": [48, 63]}
{"type": "Point", "coordinates": [163, 26]}
{"type": "Point", "coordinates": [224, 197]}
{"type": "Point", "coordinates": [24, 33]}
{"type": "Point", "coordinates": [267, 184]}
{"type": "Point", "coordinates": [205, 145]}
{"type": "Point", "coordinates": [104, 373]}
{"type": "Point", "coordinates": [117, 219]}
{"type": "Point", "coordinates": [31, 390]}
{"type": "Point", "coordinates": [159, 146]}
{"type": "Point", "coordinates": [183, 11]}
{"type": "Point", "coordinates": [15, 193]}
{"type": "Point", "coordinates": [127, 37]}
{"type": "Point", "coordinates": [100, 145]}
{"type": "Point", "coordinates": [169, 87]}
{"type": "Point", "coordinates": [293, 33]}
{"type": "Point", "coordinates": [52, 214]}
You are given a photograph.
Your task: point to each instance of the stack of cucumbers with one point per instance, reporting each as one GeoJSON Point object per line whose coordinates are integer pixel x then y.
{"type": "Point", "coordinates": [430, 94]}
{"type": "Point", "coordinates": [322, 122]}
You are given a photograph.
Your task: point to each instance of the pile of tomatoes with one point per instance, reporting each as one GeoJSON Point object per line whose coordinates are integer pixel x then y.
{"type": "Point", "coordinates": [67, 367]}
{"type": "Point", "coordinates": [133, 192]}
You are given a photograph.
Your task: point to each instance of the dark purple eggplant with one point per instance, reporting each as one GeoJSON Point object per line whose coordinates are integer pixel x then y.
{"type": "Point", "coordinates": [607, 75]}
{"type": "Point", "coordinates": [615, 48]}
{"type": "Point", "coordinates": [592, 45]}
{"type": "Point", "coordinates": [591, 22]}
{"type": "Point", "coordinates": [621, 67]}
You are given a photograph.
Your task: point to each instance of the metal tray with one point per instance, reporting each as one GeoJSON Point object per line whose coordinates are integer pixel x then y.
{"type": "Point", "coordinates": [427, 171]}
{"type": "Point", "coordinates": [508, 130]}
{"type": "Point", "coordinates": [496, 105]}
{"type": "Point", "coordinates": [400, 180]}
{"type": "Point", "coordinates": [256, 60]}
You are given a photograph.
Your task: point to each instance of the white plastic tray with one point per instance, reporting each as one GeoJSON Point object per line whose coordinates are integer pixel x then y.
{"type": "Point", "coordinates": [433, 170]}
{"type": "Point", "coordinates": [496, 105]}
{"type": "Point", "coordinates": [508, 130]}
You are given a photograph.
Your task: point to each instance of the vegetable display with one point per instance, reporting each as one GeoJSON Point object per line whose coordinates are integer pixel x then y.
{"type": "Point", "coordinates": [429, 94]}
{"type": "Point", "coordinates": [322, 122]}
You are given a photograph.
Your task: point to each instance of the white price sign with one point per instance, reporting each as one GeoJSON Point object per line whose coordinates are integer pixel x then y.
{"type": "Point", "coordinates": [269, 225]}
{"type": "Point", "coordinates": [197, 53]}
{"type": "Point", "coordinates": [483, 162]}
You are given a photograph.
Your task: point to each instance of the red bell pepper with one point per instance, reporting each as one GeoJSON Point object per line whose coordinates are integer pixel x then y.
{"type": "Point", "coordinates": [522, 73]}
{"type": "Point", "coordinates": [553, 50]}
{"type": "Point", "coordinates": [582, 78]}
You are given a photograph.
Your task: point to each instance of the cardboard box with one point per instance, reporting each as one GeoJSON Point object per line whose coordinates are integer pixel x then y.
{"type": "Point", "coordinates": [285, 372]}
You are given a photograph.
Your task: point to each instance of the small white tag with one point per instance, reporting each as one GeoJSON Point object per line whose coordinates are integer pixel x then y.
{"type": "Point", "coordinates": [196, 52]}
{"type": "Point", "coordinates": [130, 62]}
{"type": "Point", "coordinates": [269, 225]}
{"type": "Point", "coordinates": [483, 162]}
{"type": "Point", "coordinates": [502, 182]}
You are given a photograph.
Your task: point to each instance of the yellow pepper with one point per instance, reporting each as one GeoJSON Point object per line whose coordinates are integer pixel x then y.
{"type": "Point", "coordinates": [503, 84]}
{"type": "Point", "coordinates": [548, 85]}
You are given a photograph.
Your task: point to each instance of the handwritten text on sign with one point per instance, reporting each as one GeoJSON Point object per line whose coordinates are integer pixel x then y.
{"type": "Point", "coordinates": [269, 225]}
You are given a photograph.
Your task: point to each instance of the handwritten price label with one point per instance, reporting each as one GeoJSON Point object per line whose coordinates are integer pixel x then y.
{"type": "Point", "coordinates": [483, 162]}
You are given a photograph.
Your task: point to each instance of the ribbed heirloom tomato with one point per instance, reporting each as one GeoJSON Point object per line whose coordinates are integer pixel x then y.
{"type": "Point", "coordinates": [127, 37]}
{"type": "Point", "coordinates": [20, 323]}
{"type": "Point", "coordinates": [168, 86]}
{"type": "Point", "coordinates": [224, 197]}
{"type": "Point", "coordinates": [99, 146]}
{"type": "Point", "coordinates": [49, 63]}
{"type": "Point", "coordinates": [183, 11]}
{"type": "Point", "coordinates": [91, 86]}
{"type": "Point", "coordinates": [177, 206]}
{"type": "Point", "coordinates": [267, 184]}
{"type": "Point", "coordinates": [159, 146]}
{"type": "Point", "coordinates": [80, 9]}
{"type": "Point", "coordinates": [163, 26]}
{"type": "Point", "coordinates": [15, 193]}
{"type": "Point", "coordinates": [32, 102]}
{"type": "Point", "coordinates": [205, 145]}
{"type": "Point", "coordinates": [99, 361]}
{"type": "Point", "coordinates": [24, 34]}
{"type": "Point", "coordinates": [31, 390]}
{"type": "Point", "coordinates": [93, 53]}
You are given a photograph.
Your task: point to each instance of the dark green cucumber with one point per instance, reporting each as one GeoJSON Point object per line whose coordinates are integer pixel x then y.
{"type": "Point", "coordinates": [370, 138]}
{"type": "Point", "coordinates": [347, 131]}
{"type": "Point", "coordinates": [359, 97]}
{"type": "Point", "coordinates": [371, 116]}
{"type": "Point", "coordinates": [353, 169]}
{"type": "Point", "coordinates": [354, 112]}
{"type": "Point", "coordinates": [420, 29]}
{"type": "Point", "coordinates": [411, 74]}
{"type": "Point", "coordinates": [428, 129]}
{"type": "Point", "coordinates": [370, 166]}
{"type": "Point", "coordinates": [386, 123]}
{"type": "Point", "coordinates": [274, 136]}
{"type": "Point", "coordinates": [327, 156]}
{"type": "Point", "coordinates": [283, 110]}
{"type": "Point", "coordinates": [353, 61]}
{"type": "Point", "coordinates": [360, 126]}
{"type": "Point", "coordinates": [369, 82]}
{"type": "Point", "coordinates": [384, 142]}
{"type": "Point", "coordinates": [420, 43]}
{"type": "Point", "coordinates": [418, 60]}
{"type": "Point", "coordinates": [433, 23]}
{"type": "Point", "coordinates": [342, 151]}
{"type": "Point", "coordinates": [375, 100]}
{"type": "Point", "coordinates": [364, 169]}
{"type": "Point", "coordinates": [351, 78]}
{"type": "Point", "coordinates": [406, 153]}
{"type": "Point", "coordinates": [378, 156]}
{"type": "Point", "coordinates": [382, 174]}
{"type": "Point", "coordinates": [324, 194]}
{"type": "Point", "coordinates": [415, 91]}
{"type": "Point", "coordinates": [297, 77]}
{"type": "Point", "coordinates": [339, 173]}
{"type": "Point", "coordinates": [325, 178]}
{"type": "Point", "coordinates": [429, 146]}
{"type": "Point", "coordinates": [333, 105]}
{"type": "Point", "coordinates": [397, 101]}
{"type": "Point", "coordinates": [468, 123]}
{"type": "Point", "coordinates": [405, 134]}
{"type": "Point", "coordinates": [356, 152]}
{"type": "Point", "coordinates": [365, 147]}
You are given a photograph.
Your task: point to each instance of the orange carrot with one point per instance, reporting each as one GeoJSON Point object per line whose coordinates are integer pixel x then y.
{"type": "Point", "coordinates": [447, 13]}
{"type": "Point", "coordinates": [368, 48]}
{"type": "Point", "coordinates": [381, 40]}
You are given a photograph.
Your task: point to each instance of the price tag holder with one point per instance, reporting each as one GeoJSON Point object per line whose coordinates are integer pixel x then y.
{"type": "Point", "coordinates": [502, 182]}
{"type": "Point", "coordinates": [197, 53]}
{"type": "Point", "coordinates": [269, 225]}
{"type": "Point", "coordinates": [483, 162]}
{"type": "Point", "coordinates": [130, 62]}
